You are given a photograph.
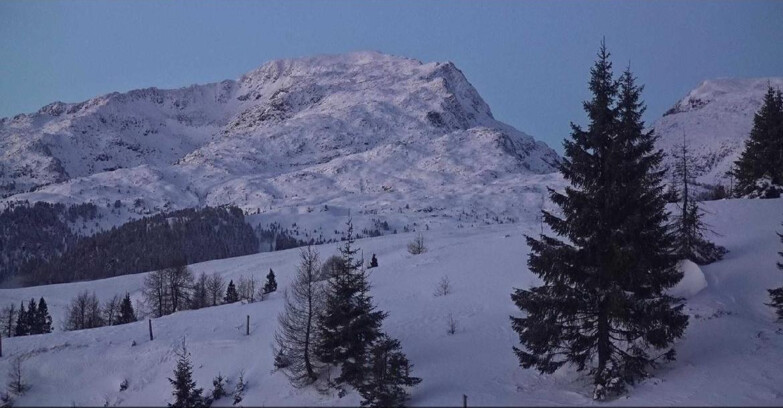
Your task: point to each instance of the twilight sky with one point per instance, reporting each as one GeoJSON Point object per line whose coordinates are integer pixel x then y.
{"type": "Point", "coordinates": [529, 60]}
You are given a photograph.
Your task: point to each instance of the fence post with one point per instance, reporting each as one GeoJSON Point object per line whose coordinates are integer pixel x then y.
{"type": "Point", "coordinates": [464, 401]}
{"type": "Point", "coordinates": [150, 321]}
{"type": "Point", "coordinates": [247, 326]}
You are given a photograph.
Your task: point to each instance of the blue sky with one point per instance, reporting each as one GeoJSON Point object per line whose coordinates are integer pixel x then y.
{"type": "Point", "coordinates": [529, 60]}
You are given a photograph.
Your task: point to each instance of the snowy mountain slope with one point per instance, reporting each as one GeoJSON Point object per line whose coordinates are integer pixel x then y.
{"type": "Point", "coordinates": [730, 354]}
{"type": "Point", "coordinates": [368, 126]}
{"type": "Point", "coordinates": [715, 119]}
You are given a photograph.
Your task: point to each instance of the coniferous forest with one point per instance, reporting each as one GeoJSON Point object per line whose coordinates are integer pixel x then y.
{"type": "Point", "coordinates": [39, 231]}
{"type": "Point", "coordinates": [150, 243]}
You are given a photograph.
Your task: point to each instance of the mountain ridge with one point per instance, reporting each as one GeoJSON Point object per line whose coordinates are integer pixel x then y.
{"type": "Point", "coordinates": [293, 132]}
{"type": "Point", "coordinates": [715, 119]}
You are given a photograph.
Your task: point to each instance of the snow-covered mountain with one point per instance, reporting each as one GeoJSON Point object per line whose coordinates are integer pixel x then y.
{"type": "Point", "coordinates": [365, 130]}
{"type": "Point", "coordinates": [715, 119]}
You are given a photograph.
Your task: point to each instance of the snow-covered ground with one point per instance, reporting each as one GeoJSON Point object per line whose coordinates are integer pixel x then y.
{"type": "Point", "coordinates": [730, 355]}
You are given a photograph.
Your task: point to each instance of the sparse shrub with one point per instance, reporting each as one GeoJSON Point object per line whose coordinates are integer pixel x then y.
{"type": "Point", "coordinates": [444, 287]}
{"type": "Point", "coordinates": [239, 390]}
{"type": "Point", "coordinates": [124, 385]}
{"type": "Point", "coordinates": [451, 324]}
{"type": "Point", "coordinates": [417, 246]}
{"type": "Point", "coordinates": [16, 383]}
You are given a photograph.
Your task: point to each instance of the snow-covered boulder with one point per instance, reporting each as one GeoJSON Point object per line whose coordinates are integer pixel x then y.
{"type": "Point", "coordinates": [692, 282]}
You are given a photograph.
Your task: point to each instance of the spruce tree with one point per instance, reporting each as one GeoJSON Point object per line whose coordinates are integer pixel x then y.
{"type": "Point", "coordinates": [44, 320]}
{"type": "Point", "coordinates": [271, 284]}
{"type": "Point", "coordinates": [33, 326]}
{"type": "Point", "coordinates": [777, 294]}
{"type": "Point", "coordinates": [373, 262]}
{"type": "Point", "coordinates": [218, 387]}
{"type": "Point", "coordinates": [185, 393]}
{"type": "Point", "coordinates": [22, 322]}
{"type": "Point", "coordinates": [231, 293]}
{"type": "Point", "coordinates": [689, 240]}
{"type": "Point", "coordinates": [602, 306]}
{"type": "Point", "coordinates": [349, 323]}
{"type": "Point", "coordinates": [127, 314]}
{"type": "Point", "coordinates": [759, 169]}
{"type": "Point", "coordinates": [386, 373]}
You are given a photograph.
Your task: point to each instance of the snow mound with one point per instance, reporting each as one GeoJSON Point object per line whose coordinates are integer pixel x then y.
{"type": "Point", "coordinates": [692, 282]}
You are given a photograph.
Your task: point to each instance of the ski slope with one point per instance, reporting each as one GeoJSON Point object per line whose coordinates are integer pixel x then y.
{"type": "Point", "coordinates": [730, 355]}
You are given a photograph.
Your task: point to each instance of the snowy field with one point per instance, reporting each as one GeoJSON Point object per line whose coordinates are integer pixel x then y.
{"type": "Point", "coordinates": [731, 353]}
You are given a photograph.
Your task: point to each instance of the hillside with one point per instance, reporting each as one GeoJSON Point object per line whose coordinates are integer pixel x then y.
{"type": "Point", "coordinates": [730, 354]}
{"type": "Point", "coordinates": [715, 119]}
{"type": "Point", "coordinates": [364, 131]}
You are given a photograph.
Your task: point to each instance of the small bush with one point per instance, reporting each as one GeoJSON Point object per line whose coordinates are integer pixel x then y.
{"type": "Point", "coordinates": [451, 324]}
{"type": "Point", "coordinates": [444, 287]}
{"type": "Point", "coordinates": [417, 246]}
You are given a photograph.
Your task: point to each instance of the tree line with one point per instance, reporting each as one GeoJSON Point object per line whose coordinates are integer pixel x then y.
{"type": "Point", "coordinates": [37, 231]}
{"type": "Point", "coordinates": [172, 289]}
{"type": "Point", "coordinates": [23, 322]}
{"type": "Point", "coordinates": [151, 243]}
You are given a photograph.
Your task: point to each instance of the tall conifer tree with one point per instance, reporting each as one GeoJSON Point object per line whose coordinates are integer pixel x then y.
{"type": "Point", "coordinates": [350, 322]}
{"type": "Point", "coordinates": [602, 307]}
{"type": "Point", "coordinates": [127, 314]}
{"type": "Point", "coordinates": [231, 293]}
{"type": "Point", "coordinates": [759, 170]}
{"type": "Point", "coordinates": [44, 319]}
{"type": "Point", "coordinates": [22, 322]}
{"type": "Point", "coordinates": [32, 317]}
{"type": "Point", "coordinates": [186, 394]}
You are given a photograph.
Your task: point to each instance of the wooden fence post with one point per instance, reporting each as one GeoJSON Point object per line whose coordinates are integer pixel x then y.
{"type": "Point", "coordinates": [150, 321]}
{"type": "Point", "coordinates": [247, 326]}
{"type": "Point", "coordinates": [464, 401]}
